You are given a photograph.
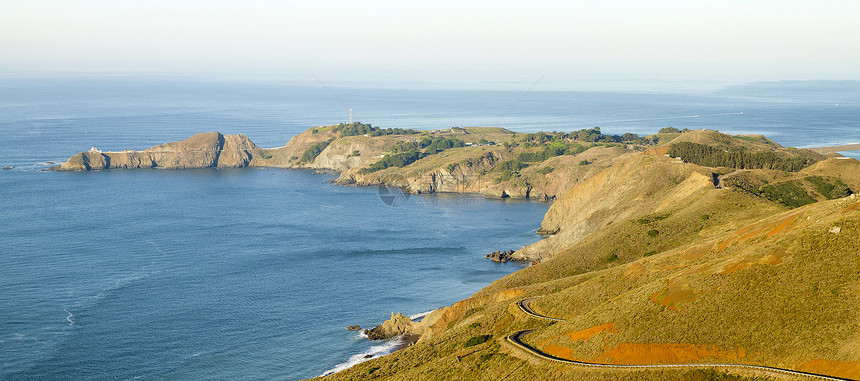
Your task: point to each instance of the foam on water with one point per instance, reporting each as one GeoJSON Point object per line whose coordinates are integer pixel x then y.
{"type": "Point", "coordinates": [375, 351]}
{"type": "Point", "coordinates": [69, 318]}
{"type": "Point", "coordinates": [420, 316]}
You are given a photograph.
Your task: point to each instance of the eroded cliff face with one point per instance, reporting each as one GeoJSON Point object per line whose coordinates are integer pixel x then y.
{"type": "Point", "coordinates": [637, 185]}
{"type": "Point", "coordinates": [468, 176]}
{"type": "Point", "coordinates": [353, 152]}
{"type": "Point", "coordinates": [205, 150]}
{"type": "Point", "coordinates": [475, 172]}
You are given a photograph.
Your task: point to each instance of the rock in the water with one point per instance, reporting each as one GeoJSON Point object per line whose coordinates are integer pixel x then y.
{"type": "Point", "coordinates": [354, 328]}
{"type": "Point", "coordinates": [399, 324]}
{"type": "Point", "coordinates": [502, 256]}
{"type": "Point", "coordinates": [8, 167]}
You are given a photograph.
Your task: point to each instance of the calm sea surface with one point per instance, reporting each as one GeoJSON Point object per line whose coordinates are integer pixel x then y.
{"type": "Point", "coordinates": [254, 273]}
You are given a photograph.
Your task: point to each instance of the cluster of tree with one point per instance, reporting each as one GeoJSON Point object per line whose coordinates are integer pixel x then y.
{"type": "Point", "coordinates": [436, 144]}
{"type": "Point", "coordinates": [357, 128]}
{"type": "Point", "coordinates": [788, 193]}
{"type": "Point", "coordinates": [553, 149]}
{"type": "Point", "coordinates": [593, 135]}
{"type": "Point", "coordinates": [708, 156]}
{"type": "Point", "coordinates": [509, 169]}
{"type": "Point", "coordinates": [311, 153]}
{"type": "Point", "coordinates": [397, 160]}
{"type": "Point", "coordinates": [429, 145]}
{"type": "Point", "coordinates": [828, 189]}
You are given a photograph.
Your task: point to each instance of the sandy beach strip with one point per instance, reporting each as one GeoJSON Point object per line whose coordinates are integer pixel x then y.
{"type": "Point", "coordinates": [847, 147]}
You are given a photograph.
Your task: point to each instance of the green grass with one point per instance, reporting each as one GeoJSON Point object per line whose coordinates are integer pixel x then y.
{"type": "Point", "coordinates": [477, 340]}
{"type": "Point", "coordinates": [828, 187]}
{"type": "Point", "coordinates": [788, 193]}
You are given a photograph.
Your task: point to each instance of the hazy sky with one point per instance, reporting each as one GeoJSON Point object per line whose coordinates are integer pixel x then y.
{"type": "Point", "coordinates": [455, 40]}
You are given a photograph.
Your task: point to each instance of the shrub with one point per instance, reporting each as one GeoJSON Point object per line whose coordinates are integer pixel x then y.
{"type": "Point", "coordinates": [513, 165]}
{"type": "Point", "coordinates": [652, 218]}
{"type": "Point", "coordinates": [584, 162]}
{"type": "Point", "coordinates": [837, 189]}
{"type": "Point", "coordinates": [708, 156]}
{"type": "Point", "coordinates": [396, 160]}
{"type": "Point", "coordinates": [439, 144]}
{"type": "Point", "coordinates": [311, 153]}
{"type": "Point", "coordinates": [475, 340]}
{"type": "Point", "coordinates": [545, 170]}
{"type": "Point", "coordinates": [358, 128]}
{"type": "Point", "coordinates": [553, 149]}
{"type": "Point", "coordinates": [668, 130]}
{"type": "Point", "coordinates": [788, 193]}
{"type": "Point", "coordinates": [653, 233]}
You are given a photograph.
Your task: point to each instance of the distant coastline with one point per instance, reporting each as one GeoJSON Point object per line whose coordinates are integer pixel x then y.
{"type": "Point", "coordinates": [845, 147]}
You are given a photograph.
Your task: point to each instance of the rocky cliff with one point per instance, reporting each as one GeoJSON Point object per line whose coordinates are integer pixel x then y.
{"type": "Point", "coordinates": [205, 150]}
{"type": "Point", "coordinates": [634, 186]}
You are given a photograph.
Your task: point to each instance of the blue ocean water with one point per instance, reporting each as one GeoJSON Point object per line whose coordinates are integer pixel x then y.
{"type": "Point", "coordinates": [254, 273]}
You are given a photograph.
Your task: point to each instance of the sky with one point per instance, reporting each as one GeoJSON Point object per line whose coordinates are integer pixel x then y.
{"type": "Point", "coordinates": [442, 41]}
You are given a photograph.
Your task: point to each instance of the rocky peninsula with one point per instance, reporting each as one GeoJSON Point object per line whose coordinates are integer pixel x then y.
{"type": "Point", "coordinates": [494, 162]}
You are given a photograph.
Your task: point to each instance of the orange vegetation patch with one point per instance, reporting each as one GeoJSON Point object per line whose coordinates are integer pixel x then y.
{"type": "Point", "coordinates": [736, 266]}
{"type": "Point", "coordinates": [672, 297]}
{"type": "Point", "coordinates": [587, 333]}
{"type": "Point", "coordinates": [756, 229]}
{"type": "Point", "coordinates": [849, 370]}
{"type": "Point", "coordinates": [559, 351]}
{"type": "Point", "coordinates": [696, 252]}
{"type": "Point", "coordinates": [851, 207]}
{"type": "Point", "coordinates": [655, 353]}
{"type": "Point", "coordinates": [634, 270]}
{"type": "Point", "coordinates": [659, 151]}
{"type": "Point", "coordinates": [782, 225]}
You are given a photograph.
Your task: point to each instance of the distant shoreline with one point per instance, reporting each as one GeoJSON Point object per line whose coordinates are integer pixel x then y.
{"type": "Point", "coordinates": [846, 147]}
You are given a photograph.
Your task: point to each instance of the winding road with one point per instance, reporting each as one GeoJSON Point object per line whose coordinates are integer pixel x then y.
{"type": "Point", "coordinates": [515, 340]}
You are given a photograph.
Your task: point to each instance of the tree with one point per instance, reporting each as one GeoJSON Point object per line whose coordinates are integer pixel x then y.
{"type": "Point", "coordinates": [668, 130]}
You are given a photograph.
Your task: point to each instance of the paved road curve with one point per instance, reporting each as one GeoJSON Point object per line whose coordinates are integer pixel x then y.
{"type": "Point", "coordinates": [515, 339]}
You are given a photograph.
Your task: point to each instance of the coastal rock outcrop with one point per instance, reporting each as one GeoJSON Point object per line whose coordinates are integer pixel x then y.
{"type": "Point", "coordinates": [204, 150]}
{"type": "Point", "coordinates": [502, 256]}
{"type": "Point", "coordinates": [402, 325]}
{"type": "Point", "coordinates": [398, 325]}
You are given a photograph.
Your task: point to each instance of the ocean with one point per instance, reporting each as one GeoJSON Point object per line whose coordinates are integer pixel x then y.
{"type": "Point", "coordinates": [255, 273]}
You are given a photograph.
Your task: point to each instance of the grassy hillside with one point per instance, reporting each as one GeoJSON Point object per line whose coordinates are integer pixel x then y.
{"type": "Point", "coordinates": [653, 263]}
